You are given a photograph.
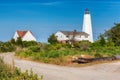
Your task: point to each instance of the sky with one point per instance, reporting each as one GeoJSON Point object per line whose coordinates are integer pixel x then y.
{"type": "Point", "coordinates": [45, 17]}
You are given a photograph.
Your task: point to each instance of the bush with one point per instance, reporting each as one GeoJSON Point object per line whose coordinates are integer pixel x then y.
{"type": "Point", "coordinates": [19, 42]}
{"type": "Point", "coordinates": [83, 45]}
{"type": "Point", "coordinates": [34, 48]}
{"type": "Point", "coordinates": [7, 47]}
{"type": "Point", "coordinates": [35, 56]}
{"type": "Point", "coordinates": [29, 43]}
{"type": "Point", "coordinates": [56, 53]}
{"type": "Point", "coordinates": [97, 55]}
{"type": "Point", "coordinates": [24, 54]}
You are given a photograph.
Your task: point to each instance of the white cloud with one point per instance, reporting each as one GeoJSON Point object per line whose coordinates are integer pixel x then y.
{"type": "Point", "coordinates": [51, 3]}
{"type": "Point", "coordinates": [36, 3]}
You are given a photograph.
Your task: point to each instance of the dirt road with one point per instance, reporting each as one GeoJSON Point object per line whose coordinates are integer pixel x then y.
{"type": "Point", "coordinates": [106, 71]}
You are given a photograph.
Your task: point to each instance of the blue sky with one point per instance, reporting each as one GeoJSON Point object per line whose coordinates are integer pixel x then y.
{"type": "Point", "coordinates": [44, 17]}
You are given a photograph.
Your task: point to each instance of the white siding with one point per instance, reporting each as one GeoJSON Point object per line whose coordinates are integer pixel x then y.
{"type": "Point", "coordinates": [28, 37]}
{"type": "Point", "coordinates": [78, 38]}
{"type": "Point", "coordinates": [60, 36]}
{"type": "Point", "coordinates": [15, 36]}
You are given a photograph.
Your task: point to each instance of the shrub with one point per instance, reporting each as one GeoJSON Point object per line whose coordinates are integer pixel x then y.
{"type": "Point", "coordinates": [34, 48]}
{"type": "Point", "coordinates": [45, 60]}
{"type": "Point", "coordinates": [7, 47]}
{"type": "Point", "coordinates": [53, 54]}
{"type": "Point", "coordinates": [98, 55]}
{"type": "Point", "coordinates": [35, 56]}
{"type": "Point", "coordinates": [58, 46]}
{"type": "Point", "coordinates": [6, 73]}
{"type": "Point", "coordinates": [19, 42]}
{"type": "Point", "coordinates": [12, 41]}
{"type": "Point", "coordinates": [83, 45]}
{"type": "Point", "coordinates": [29, 43]}
{"type": "Point", "coordinates": [49, 47]}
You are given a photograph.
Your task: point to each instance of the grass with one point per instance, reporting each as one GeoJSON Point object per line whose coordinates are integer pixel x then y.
{"type": "Point", "coordinates": [62, 55]}
{"type": "Point", "coordinates": [8, 72]}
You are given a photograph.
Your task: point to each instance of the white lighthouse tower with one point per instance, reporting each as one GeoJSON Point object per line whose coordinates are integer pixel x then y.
{"type": "Point", "coordinates": [87, 25]}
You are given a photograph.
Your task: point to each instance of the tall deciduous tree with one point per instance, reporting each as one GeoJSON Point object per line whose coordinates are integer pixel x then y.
{"type": "Point", "coordinates": [114, 34]}
{"type": "Point", "coordinates": [102, 41]}
{"type": "Point", "coordinates": [110, 42]}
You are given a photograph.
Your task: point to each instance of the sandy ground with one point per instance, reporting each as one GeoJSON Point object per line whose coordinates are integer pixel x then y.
{"type": "Point", "coordinates": [106, 71]}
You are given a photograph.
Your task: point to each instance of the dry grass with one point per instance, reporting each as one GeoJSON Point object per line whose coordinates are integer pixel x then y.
{"type": "Point", "coordinates": [67, 62]}
{"type": "Point", "coordinates": [91, 63]}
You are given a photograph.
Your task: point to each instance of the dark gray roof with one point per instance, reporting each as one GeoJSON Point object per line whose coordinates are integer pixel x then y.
{"type": "Point", "coordinates": [87, 11]}
{"type": "Point", "coordinates": [74, 32]}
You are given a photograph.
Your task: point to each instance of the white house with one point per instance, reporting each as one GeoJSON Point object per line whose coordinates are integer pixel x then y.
{"type": "Point", "coordinates": [24, 35]}
{"type": "Point", "coordinates": [66, 36]}
{"type": "Point", "coordinates": [86, 33]}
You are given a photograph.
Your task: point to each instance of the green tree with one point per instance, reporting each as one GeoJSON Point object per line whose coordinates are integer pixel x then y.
{"type": "Point", "coordinates": [52, 39]}
{"type": "Point", "coordinates": [114, 34]}
{"type": "Point", "coordinates": [110, 42]}
{"type": "Point", "coordinates": [19, 41]}
{"type": "Point", "coordinates": [12, 41]}
{"type": "Point", "coordinates": [102, 41]}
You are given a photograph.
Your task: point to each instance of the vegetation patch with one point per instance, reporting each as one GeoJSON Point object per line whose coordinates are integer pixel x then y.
{"type": "Point", "coordinates": [55, 52]}
{"type": "Point", "coordinates": [9, 73]}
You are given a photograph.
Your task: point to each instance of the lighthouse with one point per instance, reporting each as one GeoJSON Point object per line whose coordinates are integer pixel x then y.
{"type": "Point", "coordinates": [87, 25]}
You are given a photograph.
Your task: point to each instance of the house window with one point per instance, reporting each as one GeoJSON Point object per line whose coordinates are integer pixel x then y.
{"type": "Point", "coordinates": [86, 36]}
{"type": "Point", "coordinates": [67, 36]}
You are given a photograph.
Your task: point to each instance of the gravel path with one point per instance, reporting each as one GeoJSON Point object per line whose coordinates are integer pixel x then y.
{"type": "Point", "coordinates": [106, 71]}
